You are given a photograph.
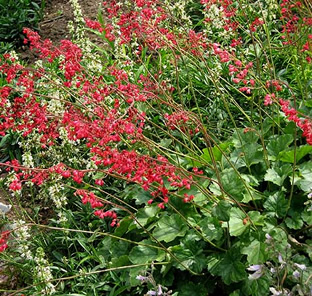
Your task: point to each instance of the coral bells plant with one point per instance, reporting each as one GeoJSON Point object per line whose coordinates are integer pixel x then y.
{"type": "Point", "coordinates": [178, 152]}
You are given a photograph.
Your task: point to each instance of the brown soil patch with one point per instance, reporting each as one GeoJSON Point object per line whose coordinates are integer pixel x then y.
{"type": "Point", "coordinates": [57, 14]}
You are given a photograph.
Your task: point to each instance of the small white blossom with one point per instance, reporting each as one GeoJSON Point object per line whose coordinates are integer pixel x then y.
{"type": "Point", "coordinates": [296, 274]}
{"type": "Point", "coordinates": [258, 271]}
{"type": "Point", "coordinates": [300, 266]}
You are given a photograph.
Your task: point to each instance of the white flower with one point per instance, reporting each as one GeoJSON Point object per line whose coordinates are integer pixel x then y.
{"type": "Point", "coordinates": [300, 266]}
{"type": "Point", "coordinates": [280, 259]}
{"type": "Point", "coordinates": [275, 292]}
{"type": "Point", "coordinates": [258, 271]}
{"type": "Point", "coordinates": [296, 274]}
{"type": "Point", "coordinates": [268, 238]}
{"type": "Point", "coordinates": [141, 278]}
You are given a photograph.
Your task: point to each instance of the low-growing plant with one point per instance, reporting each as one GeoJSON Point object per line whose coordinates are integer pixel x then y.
{"type": "Point", "coordinates": [14, 16]}
{"type": "Point", "coordinates": [176, 157]}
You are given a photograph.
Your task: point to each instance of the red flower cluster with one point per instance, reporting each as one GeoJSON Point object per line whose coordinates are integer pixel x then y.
{"type": "Point", "coordinates": [256, 23]}
{"type": "Point", "coordinates": [89, 197]}
{"type": "Point", "coordinates": [95, 25]}
{"type": "Point", "coordinates": [3, 240]}
{"type": "Point", "coordinates": [176, 119]}
{"type": "Point", "coordinates": [292, 114]}
{"type": "Point", "coordinates": [236, 68]}
{"type": "Point", "coordinates": [228, 12]}
{"type": "Point", "coordinates": [99, 122]}
{"type": "Point", "coordinates": [268, 99]}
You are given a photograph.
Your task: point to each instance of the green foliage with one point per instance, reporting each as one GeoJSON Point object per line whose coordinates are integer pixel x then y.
{"type": "Point", "coordinates": [16, 15]}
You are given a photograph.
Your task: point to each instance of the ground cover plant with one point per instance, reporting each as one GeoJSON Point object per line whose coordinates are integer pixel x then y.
{"type": "Point", "coordinates": [171, 157]}
{"type": "Point", "coordinates": [14, 16]}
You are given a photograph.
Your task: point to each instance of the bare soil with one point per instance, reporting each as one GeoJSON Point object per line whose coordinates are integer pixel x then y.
{"type": "Point", "coordinates": [57, 14]}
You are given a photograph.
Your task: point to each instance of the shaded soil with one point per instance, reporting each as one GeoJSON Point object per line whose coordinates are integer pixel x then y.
{"type": "Point", "coordinates": [57, 14]}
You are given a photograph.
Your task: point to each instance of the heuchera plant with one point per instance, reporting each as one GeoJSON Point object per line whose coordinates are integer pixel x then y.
{"type": "Point", "coordinates": [176, 153]}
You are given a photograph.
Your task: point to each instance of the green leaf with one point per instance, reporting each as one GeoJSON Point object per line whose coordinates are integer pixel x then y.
{"type": "Point", "coordinates": [278, 144]}
{"type": "Point", "coordinates": [236, 224]}
{"type": "Point", "coordinates": [187, 288]}
{"type": "Point", "coordinates": [240, 138]}
{"type": "Point", "coordinates": [278, 175]}
{"type": "Point", "coordinates": [231, 184]}
{"type": "Point", "coordinates": [251, 194]}
{"type": "Point", "coordinates": [305, 180]}
{"type": "Point", "coordinates": [277, 204]}
{"type": "Point", "coordinates": [247, 155]}
{"type": "Point", "coordinates": [119, 248]}
{"type": "Point", "coordinates": [213, 262]}
{"type": "Point", "coordinates": [215, 151]}
{"type": "Point", "coordinates": [230, 268]}
{"type": "Point", "coordinates": [307, 217]}
{"type": "Point", "coordinates": [169, 227]}
{"type": "Point", "coordinates": [144, 254]}
{"type": "Point", "coordinates": [123, 227]}
{"type": "Point", "coordinates": [222, 210]}
{"type": "Point", "coordinates": [235, 293]}
{"type": "Point", "coordinates": [193, 258]}
{"type": "Point", "coordinates": [134, 272]}
{"type": "Point", "coordinates": [289, 156]}
{"type": "Point", "coordinates": [165, 142]}
{"type": "Point", "coordinates": [258, 287]}
{"type": "Point", "coordinates": [211, 228]}
{"type": "Point", "coordinates": [256, 252]}
{"type": "Point", "coordinates": [294, 222]}
{"type": "Point", "coordinates": [119, 261]}
{"type": "Point", "coordinates": [308, 103]}
{"type": "Point", "coordinates": [140, 195]}
{"type": "Point", "coordinates": [280, 240]}
{"type": "Point", "coordinates": [256, 218]}
{"type": "Point", "coordinates": [146, 214]}
{"type": "Point", "coordinates": [4, 140]}
{"type": "Point", "coordinates": [308, 248]}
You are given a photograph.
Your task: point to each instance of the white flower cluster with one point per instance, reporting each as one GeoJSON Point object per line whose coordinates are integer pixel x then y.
{"type": "Point", "coordinates": [77, 28]}
{"type": "Point", "coordinates": [32, 141]}
{"type": "Point", "coordinates": [268, 8]}
{"type": "Point", "coordinates": [61, 217]}
{"type": "Point", "coordinates": [28, 159]}
{"type": "Point", "coordinates": [14, 55]}
{"type": "Point", "coordinates": [78, 17]}
{"type": "Point", "coordinates": [64, 137]}
{"type": "Point", "coordinates": [178, 9]}
{"type": "Point", "coordinates": [56, 193]}
{"type": "Point", "coordinates": [77, 31]}
{"type": "Point", "coordinates": [55, 105]}
{"type": "Point", "coordinates": [215, 15]}
{"type": "Point", "coordinates": [43, 272]}
{"type": "Point", "coordinates": [122, 58]}
{"type": "Point", "coordinates": [272, 7]}
{"type": "Point", "coordinates": [22, 235]}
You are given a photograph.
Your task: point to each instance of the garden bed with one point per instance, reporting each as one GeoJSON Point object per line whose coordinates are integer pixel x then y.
{"type": "Point", "coordinates": [163, 149]}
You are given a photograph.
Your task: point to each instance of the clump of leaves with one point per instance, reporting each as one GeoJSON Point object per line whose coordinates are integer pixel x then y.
{"type": "Point", "coordinates": [15, 15]}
